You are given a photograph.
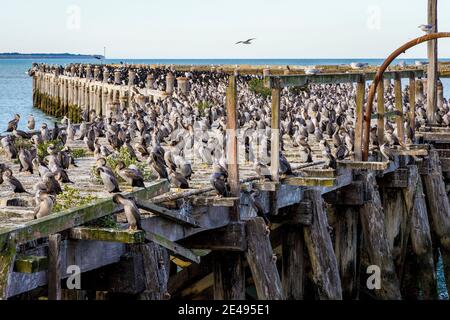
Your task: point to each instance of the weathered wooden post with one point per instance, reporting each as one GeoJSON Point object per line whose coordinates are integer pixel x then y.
{"type": "Point", "coordinates": [105, 75]}
{"type": "Point", "coordinates": [375, 240]}
{"type": "Point", "coordinates": [54, 267]}
{"type": "Point", "coordinates": [438, 207]}
{"type": "Point", "coordinates": [131, 77]}
{"type": "Point", "coordinates": [7, 257]}
{"type": "Point", "coordinates": [360, 93]}
{"type": "Point", "coordinates": [320, 250]}
{"type": "Point", "coordinates": [229, 272]}
{"type": "Point", "coordinates": [275, 132]}
{"type": "Point", "coordinates": [440, 94]}
{"type": "Point", "coordinates": [432, 63]}
{"type": "Point", "coordinates": [96, 73]}
{"type": "Point", "coordinates": [399, 107]}
{"type": "Point", "coordinates": [117, 77]}
{"type": "Point", "coordinates": [170, 83]}
{"type": "Point", "coordinates": [183, 84]}
{"type": "Point", "coordinates": [412, 103]}
{"type": "Point", "coordinates": [420, 90]}
{"type": "Point", "coordinates": [88, 72]}
{"type": "Point", "coordinates": [150, 81]}
{"type": "Point", "coordinates": [380, 118]}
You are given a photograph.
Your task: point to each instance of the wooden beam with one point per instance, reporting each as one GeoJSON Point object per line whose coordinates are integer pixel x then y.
{"type": "Point", "coordinates": [229, 238]}
{"type": "Point", "coordinates": [432, 63]}
{"type": "Point", "coordinates": [399, 108]}
{"type": "Point", "coordinates": [214, 201]}
{"type": "Point", "coordinates": [54, 267]}
{"type": "Point", "coordinates": [359, 114]}
{"type": "Point", "coordinates": [380, 109]}
{"type": "Point", "coordinates": [111, 235]}
{"type": "Point", "coordinates": [184, 219]}
{"type": "Point", "coordinates": [260, 258]}
{"type": "Point", "coordinates": [7, 255]}
{"type": "Point", "coordinates": [58, 222]}
{"type": "Point", "coordinates": [351, 195]}
{"type": "Point", "coordinates": [396, 179]}
{"type": "Point", "coordinates": [363, 165]}
{"type": "Point", "coordinates": [284, 81]}
{"type": "Point", "coordinates": [175, 248]}
{"type": "Point", "coordinates": [30, 264]}
{"type": "Point", "coordinates": [309, 181]}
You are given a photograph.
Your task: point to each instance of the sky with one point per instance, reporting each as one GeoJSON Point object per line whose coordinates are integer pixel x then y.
{"type": "Point", "coordinates": [209, 28]}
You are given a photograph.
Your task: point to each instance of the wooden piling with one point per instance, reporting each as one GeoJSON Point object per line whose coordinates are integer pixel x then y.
{"type": "Point", "coordinates": [380, 118]}
{"type": "Point", "coordinates": [375, 240]}
{"type": "Point", "coordinates": [275, 134]}
{"type": "Point", "coordinates": [261, 261]}
{"type": "Point", "coordinates": [293, 264]}
{"type": "Point", "coordinates": [432, 63]}
{"type": "Point", "coordinates": [438, 208]}
{"type": "Point", "coordinates": [320, 249]}
{"type": "Point", "coordinates": [412, 104]}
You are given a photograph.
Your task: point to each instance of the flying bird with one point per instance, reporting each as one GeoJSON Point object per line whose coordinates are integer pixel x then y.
{"type": "Point", "coordinates": [248, 41]}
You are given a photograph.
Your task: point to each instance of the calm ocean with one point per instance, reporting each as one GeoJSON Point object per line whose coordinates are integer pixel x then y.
{"type": "Point", "coordinates": [16, 91]}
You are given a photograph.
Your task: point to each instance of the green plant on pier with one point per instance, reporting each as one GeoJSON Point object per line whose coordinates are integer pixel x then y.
{"type": "Point", "coordinates": [78, 153]}
{"type": "Point", "coordinates": [71, 198]}
{"type": "Point", "coordinates": [42, 148]}
{"type": "Point", "coordinates": [257, 86]}
{"type": "Point", "coordinates": [201, 107]}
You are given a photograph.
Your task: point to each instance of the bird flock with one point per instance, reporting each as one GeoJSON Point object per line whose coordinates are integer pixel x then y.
{"type": "Point", "coordinates": [172, 136]}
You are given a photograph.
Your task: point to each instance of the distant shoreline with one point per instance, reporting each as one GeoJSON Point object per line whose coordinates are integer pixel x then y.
{"type": "Point", "coordinates": [15, 55]}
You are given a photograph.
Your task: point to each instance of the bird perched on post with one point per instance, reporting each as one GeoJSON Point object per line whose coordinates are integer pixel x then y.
{"type": "Point", "coordinates": [45, 205]}
{"type": "Point", "coordinates": [218, 180]}
{"type": "Point", "coordinates": [131, 211]}
{"type": "Point", "coordinates": [427, 28]}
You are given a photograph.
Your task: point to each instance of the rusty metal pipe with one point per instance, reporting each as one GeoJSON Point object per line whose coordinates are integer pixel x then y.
{"type": "Point", "coordinates": [379, 76]}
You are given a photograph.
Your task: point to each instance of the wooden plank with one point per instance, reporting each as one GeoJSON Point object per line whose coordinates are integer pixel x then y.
{"type": "Point", "coordinates": [54, 267]}
{"type": "Point", "coordinates": [261, 261]}
{"type": "Point", "coordinates": [396, 179]}
{"type": "Point", "coordinates": [309, 182]}
{"type": "Point", "coordinates": [104, 234]}
{"type": "Point", "coordinates": [442, 137]}
{"type": "Point", "coordinates": [7, 255]}
{"type": "Point", "coordinates": [30, 264]}
{"type": "Point", "coordinates": [266, 186]}
{"type": "Point", "coordinates": [432, 63]}
{"type": "Point", "coordinates": [183, 219]}
{"type": "Point", "coordinates": [319, 173]}
{"type": "Point", "coordinates": [363, 165]}
{"type": "Point", "coordinates": [320, 250]}
{"type": "Point", "coordinates": [175, 248]}
{"type": "Point", "coordinates": [229, 238]}
{"type": "Point", "coordinates": [380, 110]}
{"type": "Point", "coordinates": [74, 217]}
{"type": "Point", "coordinates": [409, 152]}
{"type": "Point", "coordinates": [399, 108]}
{"type": "Point", "coordinates": [214, 201]}
{"type": "Point", "coordinates": [359, 114]}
